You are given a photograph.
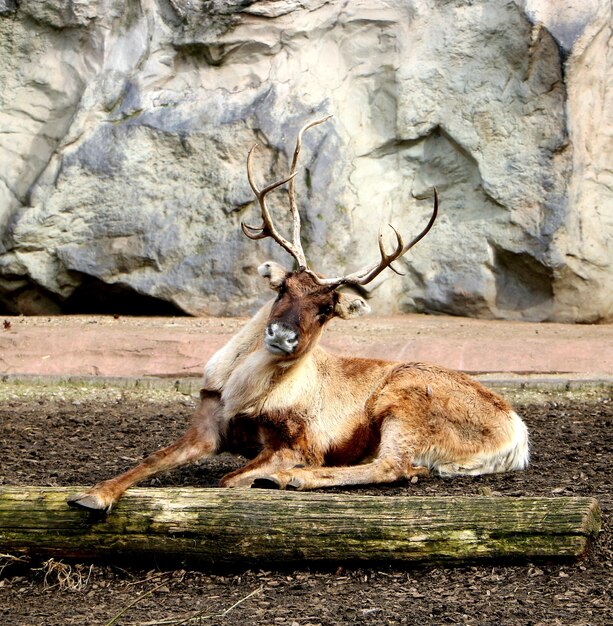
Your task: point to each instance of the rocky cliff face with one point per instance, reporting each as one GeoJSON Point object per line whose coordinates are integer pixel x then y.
{"type": "Point", "coordinates": [125, 128]}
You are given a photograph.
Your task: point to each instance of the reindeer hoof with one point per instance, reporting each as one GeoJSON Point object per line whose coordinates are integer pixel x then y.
{"type": "Point", "coordinates": [265, 483]}
{"type": "Point", "coordinates": [294, 485]}
{"type": "Point", "coordinates": [88, 502]}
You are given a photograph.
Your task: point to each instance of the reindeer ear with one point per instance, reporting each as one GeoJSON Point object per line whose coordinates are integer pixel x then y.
{"type": "Point", "coordinates": [349, 305]}
{"type": "Point", "coordinates": [275, 273]}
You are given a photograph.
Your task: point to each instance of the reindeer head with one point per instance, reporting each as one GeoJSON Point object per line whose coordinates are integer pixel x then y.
{"type": "Point", "coordinates": [306, 301]}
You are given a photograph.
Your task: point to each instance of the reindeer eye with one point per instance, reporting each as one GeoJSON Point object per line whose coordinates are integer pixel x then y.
{"type": "Point", "coordinates": [326, 310]}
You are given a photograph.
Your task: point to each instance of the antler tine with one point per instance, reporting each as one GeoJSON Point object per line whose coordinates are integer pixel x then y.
{"type": "Point", "coordinates": [368, 273]}
{"type": "Point", "coordinates": [251, 231]}
{"type": "Point", "coordinates": [397, 252]}
{"type": "Point", "coordinates": [292, 199]}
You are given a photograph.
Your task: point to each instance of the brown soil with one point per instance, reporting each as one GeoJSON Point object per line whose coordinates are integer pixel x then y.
{"type": "Point", "coordinates": [76, 436]}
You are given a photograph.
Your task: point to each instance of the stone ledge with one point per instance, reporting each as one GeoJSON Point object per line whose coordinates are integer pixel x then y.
{"type": "Point", "coordinates": [178, 348]}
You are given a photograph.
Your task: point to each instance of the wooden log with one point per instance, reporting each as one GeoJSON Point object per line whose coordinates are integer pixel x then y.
{"type": "Point", "coordinates": [224, 526]}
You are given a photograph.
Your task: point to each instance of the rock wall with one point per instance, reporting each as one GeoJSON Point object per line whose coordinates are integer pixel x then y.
{"type": "Point", "coordinates": [125, 128]}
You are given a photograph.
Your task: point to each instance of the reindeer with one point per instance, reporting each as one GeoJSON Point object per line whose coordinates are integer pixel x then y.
{"type": "Point", "coordinates": [309, 419]}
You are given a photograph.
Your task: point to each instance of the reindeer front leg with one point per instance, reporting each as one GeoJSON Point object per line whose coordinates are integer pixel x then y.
{"type": "Point", "coordinates": [200, 440]}
{"type": "Point", "coordinates": [267, 462]}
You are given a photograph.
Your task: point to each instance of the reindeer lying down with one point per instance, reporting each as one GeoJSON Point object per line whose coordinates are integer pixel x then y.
{"type": "Point", "coordinates": [311, 419]}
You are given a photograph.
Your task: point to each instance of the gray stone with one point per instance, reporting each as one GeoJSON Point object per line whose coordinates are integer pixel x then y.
{"type": "Point", "coordinates": [7, 7]}
{"type": "Point", "coordinates": [126, 128]}
{"type": "Point", "coordinates": [61, 14]}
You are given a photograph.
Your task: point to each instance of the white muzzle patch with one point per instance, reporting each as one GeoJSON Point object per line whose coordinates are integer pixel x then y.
{"type": "Point", "coordinates": [279, 339]}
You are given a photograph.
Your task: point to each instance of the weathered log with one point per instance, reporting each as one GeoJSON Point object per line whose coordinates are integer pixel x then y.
{"type": "Point", "coordinates": [222, 526]}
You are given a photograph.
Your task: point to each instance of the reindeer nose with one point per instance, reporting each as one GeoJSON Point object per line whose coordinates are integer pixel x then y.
{"type": "Point", "coordinates": [280, 339]}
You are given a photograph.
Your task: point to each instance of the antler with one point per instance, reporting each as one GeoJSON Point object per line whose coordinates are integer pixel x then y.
{"type": "Point", "coordinates": [268, 229]}
{"type": "Point", "coordinates": [368, 273]}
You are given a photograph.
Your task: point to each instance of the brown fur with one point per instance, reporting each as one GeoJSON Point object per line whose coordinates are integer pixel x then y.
{"type": "Point", "coordinates": [361, 444]}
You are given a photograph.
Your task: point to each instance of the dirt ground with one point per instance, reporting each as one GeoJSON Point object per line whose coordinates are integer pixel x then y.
{"type": "Point", "coordinates": [79, 435]}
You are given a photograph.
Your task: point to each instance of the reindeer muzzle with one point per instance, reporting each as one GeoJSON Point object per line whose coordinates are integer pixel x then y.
{"type": "Point", "coordinates": [279, 339]}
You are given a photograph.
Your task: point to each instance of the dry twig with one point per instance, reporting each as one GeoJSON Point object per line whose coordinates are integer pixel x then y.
{"type": "Point", "coordinates": [10, 559]}
{"type": "Point", "coordinates": [59, 574]}
{"type": "Point", "coordinates": [196, 616]}
{"type": "Point", "coordinates": [126, 608]}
